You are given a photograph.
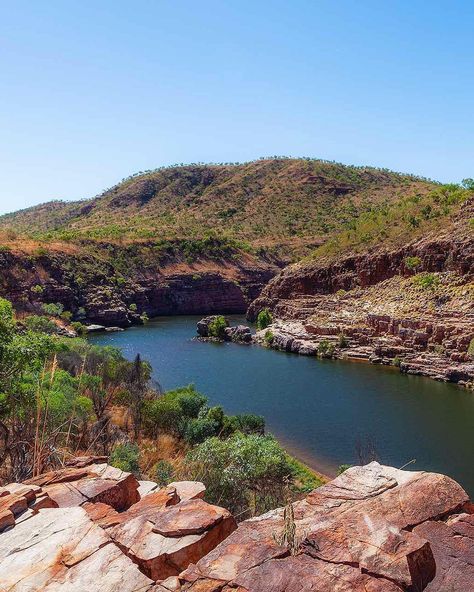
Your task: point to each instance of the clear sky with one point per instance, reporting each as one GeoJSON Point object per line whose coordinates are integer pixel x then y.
{"type": "Point", "coordinates": [92, 91]}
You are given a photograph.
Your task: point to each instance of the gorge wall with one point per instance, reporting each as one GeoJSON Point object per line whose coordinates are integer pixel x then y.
{"type": "Point", "coordinates": [378, 306]}
{"type": "Point", "coordinates": [89, 286]}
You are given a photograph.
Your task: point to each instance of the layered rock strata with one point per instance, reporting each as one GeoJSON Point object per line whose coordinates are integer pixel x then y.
{"type": "Point", "coordinates": [412, 307]}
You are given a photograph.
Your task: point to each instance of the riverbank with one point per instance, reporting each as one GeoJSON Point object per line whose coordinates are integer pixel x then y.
{"type": "Point", "coordinates": [322, 411]}
{"type": "Point", "coordinates": [376, 342]}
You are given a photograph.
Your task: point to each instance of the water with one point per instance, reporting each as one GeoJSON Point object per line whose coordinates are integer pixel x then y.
{"type": "Point", "coordinates": [319, 409]}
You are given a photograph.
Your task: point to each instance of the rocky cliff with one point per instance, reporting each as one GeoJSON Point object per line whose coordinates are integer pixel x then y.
{"type": "Point", "coordinates": [92, 286]}
{"type": "Point", "coordinates": [373, 529]}
{"type": "Point", "coordinates": [412, 305]}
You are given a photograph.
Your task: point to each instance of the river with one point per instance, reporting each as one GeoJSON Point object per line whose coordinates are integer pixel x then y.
{"type": "Point", "coordinates": [323, 411]}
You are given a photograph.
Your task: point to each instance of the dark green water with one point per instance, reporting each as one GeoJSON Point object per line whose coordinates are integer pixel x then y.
{"type": "Point", "coordinates": [319, 409]}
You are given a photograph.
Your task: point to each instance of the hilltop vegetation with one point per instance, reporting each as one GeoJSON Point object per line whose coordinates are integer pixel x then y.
{"type": "Point", "coordinates": [278, 203]}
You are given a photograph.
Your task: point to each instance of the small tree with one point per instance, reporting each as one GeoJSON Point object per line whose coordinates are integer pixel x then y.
{"type": "Point", "coordinates": [264, 319]}
{"type": "Point", "coordinates": [217, 327]}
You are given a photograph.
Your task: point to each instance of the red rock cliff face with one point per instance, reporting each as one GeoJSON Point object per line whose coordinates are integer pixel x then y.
{"type": "Point", "coordinates": [372, 306]}
{"type": "Point", "coordinates": [82, 281]}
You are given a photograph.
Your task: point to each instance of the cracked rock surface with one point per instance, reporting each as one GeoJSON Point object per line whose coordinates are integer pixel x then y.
{"type": "Point", "coordinates": [372, 529]}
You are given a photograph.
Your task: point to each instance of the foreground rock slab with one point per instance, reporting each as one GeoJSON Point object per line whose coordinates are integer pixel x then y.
{"type": "Point", "coordinates": [85, 527]}
{"type": "Point", "coordinates": [363, 531]}
{"type": "Point", "coordinates": [373, 529]}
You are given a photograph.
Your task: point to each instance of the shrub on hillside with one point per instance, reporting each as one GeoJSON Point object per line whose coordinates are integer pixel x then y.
{"type": "Point", "coordinates": [426, 281]}
{"type": "Point", "coordinates": [412, 263]}
{"type": "Point", "coordinates": [40, 324]}
{"type": "Point", "coordinates": [326, 349]}
{"type": "Point", "coordinates": [54, 310]}
{"type": "Point", "coordinates": [164, 472]}
{"type": "Point", "coordinates": [244, 473]}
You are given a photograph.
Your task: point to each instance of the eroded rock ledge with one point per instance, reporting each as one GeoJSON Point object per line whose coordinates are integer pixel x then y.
{"type": "Point", "coordinates": [373, 529]}
{"type": "Point", "coordinates": [384, 311]}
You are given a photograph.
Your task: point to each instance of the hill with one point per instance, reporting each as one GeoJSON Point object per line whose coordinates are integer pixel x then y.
{"type": "Point", "coordinates": [286, 204]}
{"type": "Point", "coordinates": [206, 238]}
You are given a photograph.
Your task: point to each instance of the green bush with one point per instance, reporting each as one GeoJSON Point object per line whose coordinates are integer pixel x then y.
{"type": "Point", "coordinates": [54, 310]}
{"type": "Point", "coordinates": [40, 324]}
{"type": "Point", "coordinates": [468, 184]}
{"type": "Point", "coordinates": [79, 328]}
{"type": "Point", "coordinates": [412, 263]}
{"type": "Point", "coordinates": [342, 341]}
{"type": "Point", "coordinates": [244, 473]}
{"type": "Point", "coordinates": [125, 457]}
{"type": "Point", "coordinates": [269, 337]}
{"type": "Point", "coordinates": [37, 289]}
{"type": "Point", "coordinates": [199, 429]}
{"type": "Point", "coordinates": [342, 469]}
{"type": "Point", "coordinates": [326, 349]}
{"type": "Point", "coordinates": [217, 327]}
{"type": "Point", "coordinates": [264, 319]}
{"type": "Point", "coordinates": [172, 411]}
{"type": "Point", "coordinates": [426, 281]}
{"type": "Point", "coordinates": [164, 473]}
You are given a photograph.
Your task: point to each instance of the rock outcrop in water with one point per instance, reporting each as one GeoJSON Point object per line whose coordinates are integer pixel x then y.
{"type": "Point", "coordinates": [372, 529]}
{"type": "Point", "coordinates": [237, 334]}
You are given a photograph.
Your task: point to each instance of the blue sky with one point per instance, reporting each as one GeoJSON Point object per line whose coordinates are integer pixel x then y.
{"type": "Point", "coordinates": [93, 91]}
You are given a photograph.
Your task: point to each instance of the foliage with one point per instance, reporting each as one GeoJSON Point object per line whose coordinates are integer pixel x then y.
{"type": "Point", "coordinates": [326, 348]}
{"type": "Point", "coordinates": [246, 423]}
{"type": "Point", "coordinates": [342, 341]}
{"type": "Point", "coordinates": [125, 457]}
{"type": "Point", "coordinates": [79, 328]}
{"type": "Point", "coordinates": [172, 411]}
{"type": "Point", "coordinates": [164, 472]}
{"type": "Point", "coordinates": [305, 480]}
{"type": "Point", "coordinates": [412, 263]}
{"type": "Point", "coordinates": [54, 310]}
{"type": "Point", "coordinates": [264, 319]}
{"type": "Point", "coordinates": [468, 184]}
{"type": "Point", "coordinates": [40, 324]}
{"type": "Point", "coordinates": [391, 223]}
{"type": "Point", "coordinates": [269, 337]}
{"type": "Point", "coordinates": [217, 327]}
{"type": "Point", "coordinates": [426, 281]}
{"type": "Point", "coordinates": [343, 468]}
{"type": "Point", "coordinates": [245, 473]}
{"type": "Point", "coordinates": [37, 289]}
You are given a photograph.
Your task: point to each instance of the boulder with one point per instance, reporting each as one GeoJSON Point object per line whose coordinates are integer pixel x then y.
{"type": "Point", "coordinates": [57, 550]}
{"type": "Point", "coordinates": [73, 486]}
{"type": "Point", "coordinates": [238, 334]}
{"type": "Point", "coordinates": [95, 328]}
{"type": "Point", "coordinates": [163, 541]}
{"type": "Point", "coordinates": [187, 490]}
{"type": "Point", "coordinates": [352, 534]}
{"type": "Point", "coordinates": [202, 326]}
{"type": "Point", "coordinates": [452, 544]}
